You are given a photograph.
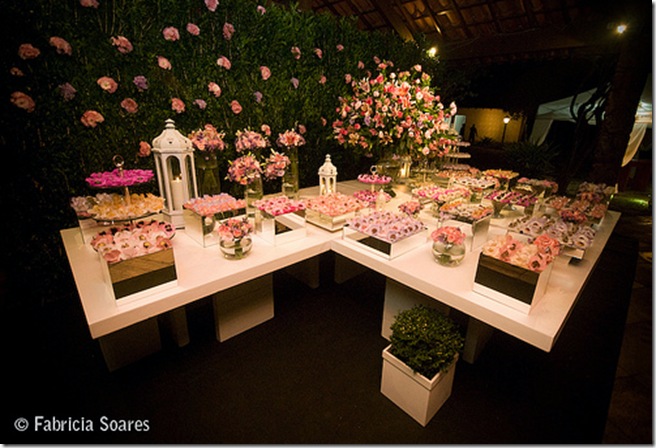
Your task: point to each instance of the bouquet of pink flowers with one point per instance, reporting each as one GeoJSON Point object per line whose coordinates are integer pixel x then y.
{"type": "Point", "coordinates": [208, 139]}
{"type": "Point", "coordinates": [244, 170]}
{"type": "Point", "coordinates": [276, 165]}
{"type": "Point", "coordinates": [448, 235]}
{"type": "Point", "coordinates": [234, 229]}
{"type": "Point", "coordinates": [248, 140]}
{"type": "Point", "coordinates": [290, 138]}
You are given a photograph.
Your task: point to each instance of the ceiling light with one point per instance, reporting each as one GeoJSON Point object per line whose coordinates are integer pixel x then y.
{"type": "Point", "coordinates": [621, 28]}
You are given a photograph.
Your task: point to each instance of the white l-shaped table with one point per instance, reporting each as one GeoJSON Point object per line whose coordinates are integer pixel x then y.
{"type": "Point", "coordinates": [412, 278]}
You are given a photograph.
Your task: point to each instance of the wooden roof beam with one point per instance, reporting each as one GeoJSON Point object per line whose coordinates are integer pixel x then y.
{"type": "Point", "coordinates": [387, 10]}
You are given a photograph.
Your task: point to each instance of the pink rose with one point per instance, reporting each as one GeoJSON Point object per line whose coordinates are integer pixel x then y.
{"type": "Point", "coordinates": [129, 105]}
{"type": "Point", "coordinates": [348, 78]}
{"type": "Point", "coordinates": [163, 63]}
{"type": "Point", "coordinates": [171, 33]}
{"type": "Point", "coordinates": [318, 53]}
{"type": "Point", "coordinates": [61, 46]}
{"type": "Point", "coordinates": [211, 4]}
{"type": "Point", "coordinates": [123, 45]}
{"type": "Point", "coordinates": [22, 101]}
{"type": "Point", "coordinates": [296, 52]}
{"type": "Point", "coordinates": [144, 149]}
{"type": "Point", "coordinates": [193, 29]}
{"type": "Point", "coordinates": [107, 84]}
{"type": "Point", "coordinates": [89, 3]}
{"type": "Point", "coordinates": [67, 91]}
{"type": "Point", "coordinates": [258, 97]}
{"type": "Point", "coordinates": [360, 65]}
{"type": "Point", "coordinates": [295, 82]}
{"type": "Point", "coordinates": [228, 31]}
{"type": "Point", "coordinates": [177, 105]}
{"type": "Point", "coordinates": [91, 118]}
{"type": "Point", "coordinates": [28, 51]}
{"type": "Point", "coordinates": [200, 103]}
{"type": "Point", "coordinates": [301, 129]}
{"type": "Point", "coordinates": [266, 129]}
{"type": "Point", "coordinates": [340, 47]}
{"type": "Point", "coordinates": [224, 62]}
{"type": "Point", "coordinates": [214, 88]}
{"type": "Point", "coordinates": [15, 71]}
{"type": "Point", "coordinates": [236, 107]}
{"type": "Point", "coordinates": [261, 9]}
{"type": "Point", "coordinates": [322, 80]}
{"type": "Point", "coordinates": [265, 72]}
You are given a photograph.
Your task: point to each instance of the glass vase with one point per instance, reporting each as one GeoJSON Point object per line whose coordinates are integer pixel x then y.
{"type": "Point", "coordinates": [253, 192]}
{"type": "Point", "coordinates": [207, 173]}
{"type": "Point", "coordinates": [448, 254]}
{"type": "Point", "coordinates": [290, 178]}
{"type": "Point", "coordinates": [236, 249]}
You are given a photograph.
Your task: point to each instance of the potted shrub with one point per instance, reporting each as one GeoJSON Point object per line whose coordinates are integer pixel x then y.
{"type": "Point", "coordinates": [419, 365]}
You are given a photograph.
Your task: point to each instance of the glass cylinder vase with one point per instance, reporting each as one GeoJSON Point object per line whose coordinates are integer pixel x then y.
{"type": "Point", "coordinates": [207, 173]}
{"type": "Point", "coordinates": [290, 183]}
{"type": "Point", "coordinates": [236, 249]}
{"type": "Point", "coordinates": [253, 192]}
{"type": "Point", "coordinates": [448, 254]}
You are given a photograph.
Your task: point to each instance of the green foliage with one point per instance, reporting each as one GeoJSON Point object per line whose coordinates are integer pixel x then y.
{"type": "Point", "coordinates": [52, 151]}
{"type": "Point", "coordinates": [531, 160]}
{"type": "Point", "coordinates": [425, 340]}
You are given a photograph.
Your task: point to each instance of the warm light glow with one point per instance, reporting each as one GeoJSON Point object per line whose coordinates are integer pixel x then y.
{"type": "Point", "coordinates": [432, 52]}
{"type": "Point", "coordinates": [621, 28]}
{"type": "Point", "coordinates": [506, 120]}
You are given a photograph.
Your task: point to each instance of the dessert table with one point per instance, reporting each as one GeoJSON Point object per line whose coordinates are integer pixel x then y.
{"type": "Point", "coordinates": [412, 278]}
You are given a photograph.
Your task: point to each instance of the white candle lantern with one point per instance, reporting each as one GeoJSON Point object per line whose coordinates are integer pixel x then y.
{"type": "Point", "coordinates": [176, 171]}
{"type": "Point", "coordinates": [327, 177]}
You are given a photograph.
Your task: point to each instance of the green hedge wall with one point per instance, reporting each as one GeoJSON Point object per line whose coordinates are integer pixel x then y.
{"type": "Point", "coordinates": [52, 151]}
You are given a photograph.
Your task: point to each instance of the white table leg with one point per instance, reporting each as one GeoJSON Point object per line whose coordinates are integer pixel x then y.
{"type": "Point", "coordinates": [306, 271]}
{"type": "Point", "coordinates": [175, 324]}
{"type": "Point", "coordinates": [346, 269]}
{"type": "Point", "coordinates": [243, 307]}
{"type": "Point", "coordinates": [130, 344]}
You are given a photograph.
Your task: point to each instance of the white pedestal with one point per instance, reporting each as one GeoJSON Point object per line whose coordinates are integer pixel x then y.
{"type": "Point", "coordinates": [130, 344]}
{"type": "Point", "coordinates": [243, 307]}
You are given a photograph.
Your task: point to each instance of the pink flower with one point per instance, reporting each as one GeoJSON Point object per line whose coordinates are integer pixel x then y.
{"type": "Point", "coordinates": [193, 29]}
{"type": "Point", "coordinates": [266, 129]}
{"type": "Point", "coordinates": [28, 51]}
{"type": "Point", "coordinates": [22, 101]}
{"type": "Point", "coordinates": [224, 62]}
{"type": "Point", "coordinates": [228, 31]}
{"type": "Point", "coordinates": [91, 118]}
{"type": "Point", "coordinates": [129, 105]}
{"type": "Point", "coordinates": [322, 80]}
{"type": "Point", "coordinates": [261, 9]}
{"type": "Point", "coordinates": [15, 71]}
{"type": "Point", "coordinates": [348, 78]}
{"type": "Point", "coordinates": [236, 107]}
{"type": "Point", "coordinates": [296, 52]}
{"type": "Point", "coordinates": [61, 46]}
{"type": "Point", "coordinates": [144, 149]}
{"type": "Point", "coordinates": [200, 103]}
{"type": "Point", "coordinates": [295, 82]}
{"type": "Point", "coordinates": [107, 84]}
{"type": "Point", "coordinates": [89, 3]}
{"type": "Point", "coordinates": [177, 105]}
{"type": "Point", "coordinates": [265, 72]}
{"type": "Point", "coordinates": [214, 88]}
{"type": "Point", "coordinates": [67, 91]}
{"type": "Point", "coordinates": [301, 129]}
{"type": "Point", "coordinates": [171, 33]}
{"type": "Point", "coordinates": [258, 97]}
{"type": "Point", "coordinates": [340, 47]}
{"type": "Point", "coordinates": [318, 52]}
{"type": "Point", "coordinates": [211, 4]}
{"type": "Point", "coordinates": [123, 45]}
{"type": "Point", "coordinates": [360, 65]}
{"type": "Point", "coordinates": [163, 63]}
{"type": "Point", "coordinates": [141, 82]}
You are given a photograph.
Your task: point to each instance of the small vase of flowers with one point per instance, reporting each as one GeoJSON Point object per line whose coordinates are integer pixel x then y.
{"type": "Point", "coordinates": [448, 245]}
{"type": "Point", "coordinates": [235, 237]}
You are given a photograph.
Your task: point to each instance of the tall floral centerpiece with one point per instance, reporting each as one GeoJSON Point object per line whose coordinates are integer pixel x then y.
{"type": "Point", "coordinates": [290, 140]}
{"type": "Point", "coordinates": [207, 143]}
{"type": "Point", "coordinates": [246, 170]}
{"type": "Point", "coordinates": [396, 115]}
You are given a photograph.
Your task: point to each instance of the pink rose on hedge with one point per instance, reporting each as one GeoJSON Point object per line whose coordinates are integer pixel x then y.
{"type": "Point", "coordinates": [107, 84]}
{"type": "Point", "coordinates": [214, 88]}
{"type": "Point", "coordinates": [224, 62]}
{"type": "Point", "coordinates": [265, 72]}
{"type": "Point", "coordinates": [236, 107]}
{"type": "Point", "coordinates": [340, 47]}
{"type": "Point", "coordinates": [61, 46]}
{"type": "Point", "coordinates": [15, 71]}
{"type": "Point", "coordinates": [28, 51]}
{"type": "Point", "coordinates": [91, 118]}
{"type": "Point", "coordinates": [144, 149]}
{"type": "Point", "coordinates": [211, 4]}
{"type": "Point", "coordinates": [228, 31]}
{"type": "Point", "coordinates": [296, 52]}
{"type": "Point", "coordinates": [200, 103]}
{"type": "Point", "coordinates": [348, 78]}
{"type": "Point", "coordinates": [177, 105]}
{"type": "Point", "coordinates": [193, 29]}
{"type": "Point", "coordinates": [163, 63]}
{"type": "Point", "coordinates": [360, 65]}
{"type": "Point", "coordinates": [318, 52]}
{"type": "Point", "coordinates": [258, 97]}
{"type": "Point", "coordinates": [261, 9]}
{"type": "Point", "coordinates": [67, 91]}
{"type": "Point", "coordinates": [89, 3]}
{"type": "Point", "coordinates": [22, 101]}
{"type": "Point", "coordinates": [129, 105]}
{"type": "Point", "coordinates": [295, 82]}
{"type": "Point", "coordinates": [122, 43]}
{"type": "Point", "coordinates": [266, 129]}
{"type": "Point", "coordinates": [171, 33]}
{"type": "Point", "coordinates": [322, 80]}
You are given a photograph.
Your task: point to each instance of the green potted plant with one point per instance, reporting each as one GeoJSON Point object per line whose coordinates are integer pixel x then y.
{"type": "Point", "coordinates": [419, 365]}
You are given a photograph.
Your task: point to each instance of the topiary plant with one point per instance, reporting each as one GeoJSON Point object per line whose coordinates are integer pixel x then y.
{"type": "Point", "coordinates": [425, 340]}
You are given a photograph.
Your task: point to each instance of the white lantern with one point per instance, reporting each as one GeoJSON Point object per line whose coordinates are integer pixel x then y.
{"type": "Point", "coordinates": [176, 171]}
{"type": "Point", "coordinates": [327, 177]}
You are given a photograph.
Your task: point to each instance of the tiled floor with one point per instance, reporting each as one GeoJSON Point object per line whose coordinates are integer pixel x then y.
{"type": "Point", "coordinates": [630, 417]}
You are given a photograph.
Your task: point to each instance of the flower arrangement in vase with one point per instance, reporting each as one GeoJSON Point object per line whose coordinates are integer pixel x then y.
{"type": "Point", "coordinates": [290, 140]}
{"type": "Point", "coordinates": [246, 171]}
{"type": "Point", "coordinates": [207, 143]}
{"type": "Point", "coordinates": [235, 239]}
{"type": "Point", "coordinates": [448, 245]}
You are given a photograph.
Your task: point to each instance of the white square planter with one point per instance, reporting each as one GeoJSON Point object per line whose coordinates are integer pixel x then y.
{"type": "Point", "coordinates": [417, 395]}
